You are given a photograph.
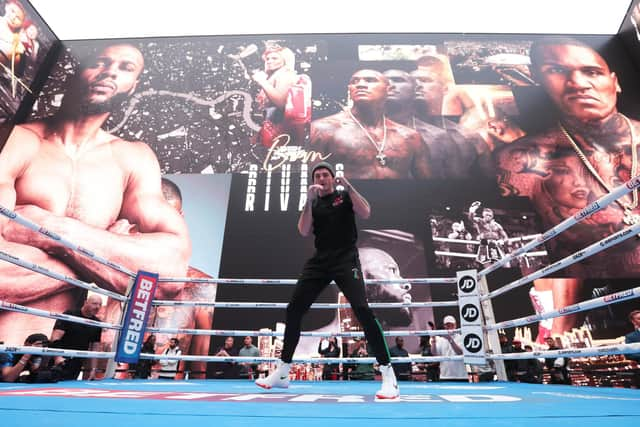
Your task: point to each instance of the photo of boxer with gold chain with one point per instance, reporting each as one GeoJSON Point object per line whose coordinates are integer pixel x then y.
{"type": "Point", "coordinates": [363, 139]}
{"type": "Point", "coordinates": [591, 149]}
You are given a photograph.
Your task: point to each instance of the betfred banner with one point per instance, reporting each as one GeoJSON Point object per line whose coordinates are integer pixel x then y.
{"type": "Point", "coordinates": [132, 334]}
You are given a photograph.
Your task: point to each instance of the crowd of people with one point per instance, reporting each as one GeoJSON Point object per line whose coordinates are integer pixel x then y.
{"type": "Point", "coordinates": [28, 368]}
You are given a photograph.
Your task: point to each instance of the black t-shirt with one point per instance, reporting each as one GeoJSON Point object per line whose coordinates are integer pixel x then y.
{"type": "Point", "coordinates": [77, 336]}
{"type": "Point", "coordinates": [334, 223]}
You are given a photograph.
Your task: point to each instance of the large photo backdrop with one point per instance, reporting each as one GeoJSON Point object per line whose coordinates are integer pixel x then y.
{"type": "Point", "coordinates": [467, 147]}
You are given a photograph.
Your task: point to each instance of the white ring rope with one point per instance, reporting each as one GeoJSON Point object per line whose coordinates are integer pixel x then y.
{"type": "Point", "coordinates": [324, 334]}
{"type": "Point", "coordinates": [4, 305]}
{"type": "Point", "coordinates": [325, 360]}
{"type": "Point", "coordinates": [571, 352]}
{"type": "Point", "coordinates": [474, 256]}
{"type": "Point", "coordinates": [577, 352]}
{"type": "Point", "coordinates": [50, 351]}
{"type": "Point", "coordinates": [592, 249]}
{"type": "Point", "coordinates": [420, 281]}
{"type": "Point", "coordinates": [70, 280]}
{"type": "Point", "coordinates": [573, 308]}
{"type": "Point", "coordinates": [316, 305]}
{"type": "Point", "coordinates": [586, 212]}
{"type": "Point", "coordinates": [461, 241]}
{"type": "Point", "coordinates": [54, 236]}
{"type": "Point", "coordinates": [477, 242]}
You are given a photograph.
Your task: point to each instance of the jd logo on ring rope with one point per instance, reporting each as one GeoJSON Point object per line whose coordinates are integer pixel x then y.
{"type": "Point", "coordinates": [472, 343]}
{"type": "Point", "coordinates": [470, 312]}
{"type": "Point", "coordinates": [467, 284]}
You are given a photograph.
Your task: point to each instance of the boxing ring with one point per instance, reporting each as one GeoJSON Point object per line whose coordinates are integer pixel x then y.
{"type": "Point", "coordinates": [240, 402]}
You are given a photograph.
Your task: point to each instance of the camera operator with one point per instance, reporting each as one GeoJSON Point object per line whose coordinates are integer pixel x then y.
{"type": "Point", "coordinates": [26, 367]}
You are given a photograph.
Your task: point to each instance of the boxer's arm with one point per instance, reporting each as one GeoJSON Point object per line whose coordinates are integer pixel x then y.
{"type": "Point", "coordinates": [278, 90]}
{"type": "Point", "coordinates": [22, 286]}
{"type": "Point", "coordinates": [502, 233]}
{"type": "Point", "coordinates": [421, 167]}
{"type": "Point", "coordinates": [15, 157]}
{"type": "Point", "coordinates": [519, 166]}
{"type": "Point", "coordinates": [360, 205]}
{"type": "Point", "coordinates": [162, 244]}
{"type": "Point", "coordinates": [320, 137]}
{"type": "Point", "coordinates": [305, 222]}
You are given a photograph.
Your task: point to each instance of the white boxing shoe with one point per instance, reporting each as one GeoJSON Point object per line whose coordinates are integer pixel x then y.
{"type": "Point", "coordinates": [389, 389]}
{"type": "Point", "coordinates": [279, 378]}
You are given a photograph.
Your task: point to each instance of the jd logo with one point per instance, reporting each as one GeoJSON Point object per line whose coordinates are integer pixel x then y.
{"type": "Point", "coordinates": [470, 312]}
{"type": "Point", "coordinates": [472, 343]}
{"type": "Point", "coordinates": [467, 284]}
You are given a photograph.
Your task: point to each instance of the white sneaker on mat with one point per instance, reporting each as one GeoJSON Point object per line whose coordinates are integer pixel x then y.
{"type": "Point", "coordinates": [389, 389]}
{"type": "Point", "coordinates": [279, 378]}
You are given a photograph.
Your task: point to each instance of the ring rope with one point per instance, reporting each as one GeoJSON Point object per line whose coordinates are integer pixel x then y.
{"type": "Point", "coordinates": [415, 281]}
{"type": "Point", "coordinates": [477, 242]}
{"type": "Point", "coordinates": [577, 352]}
{"type": "Point", "coordinates": [50, 351]}
{"type": "Point", "coordinates": [325, 360]}
{"type": "Point", "coordinates": [474, 256]}
{"type": "Point", "coordinates": [461, 241]}
{"type": "Point", "coordinates": [241, 333]}
{"type": "Point", "coordinates": [316, 305]}
{"type": "Point", "coordinates": [9, 306]}
{"type": "Point", "coordinates": [573, 308]}
{"type": "Point", "coordinates": [70, 280]}
{"type": "Point", "coordinates": [590, 250]}
{"type": "Point", "coordinates": [586, 212]}
{"type": "Point", "coordinates": [54, 236]}
{"type": "Point", "coordinates": [571, 352]}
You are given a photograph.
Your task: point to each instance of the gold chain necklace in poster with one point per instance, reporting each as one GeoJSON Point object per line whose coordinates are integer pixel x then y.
{"type": "Point", "coordinates": [382, 159]}
{"type": "Point", "coordinates": [629, 217]}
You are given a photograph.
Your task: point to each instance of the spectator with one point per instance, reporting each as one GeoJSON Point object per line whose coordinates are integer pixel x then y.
{"type": "Point", "coordinates": [403, 370]}
{"type": "Point", "coordinates": [227, 370]}
{"type": "Point", "coordinates": [248, 370]}
{"type": "Point", "coordinates": [26, 367]}
{"type": "Point", "coordinates": [77, 336]}
{"type": "Point", "coordinates": [512, 366]}
{"type": "Point", "coordinates": [169, 368]}
{"type": "Point", "coordinates": [329, 348]}
{"type": "Point", "coordinates": [557, 366]}
{"type": "Point", "coordinates": [530, 370]}
{"type": "Point", "coordinates": [449, 345]}
{"type": "Point", "coordinates": [143, 367]}
{"type": "Point", "coordinates": [633, 337]}
{"type": "Point", "coordinates": [432, 369]}
{"type": "Point", "coordinates": [361, 371]}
